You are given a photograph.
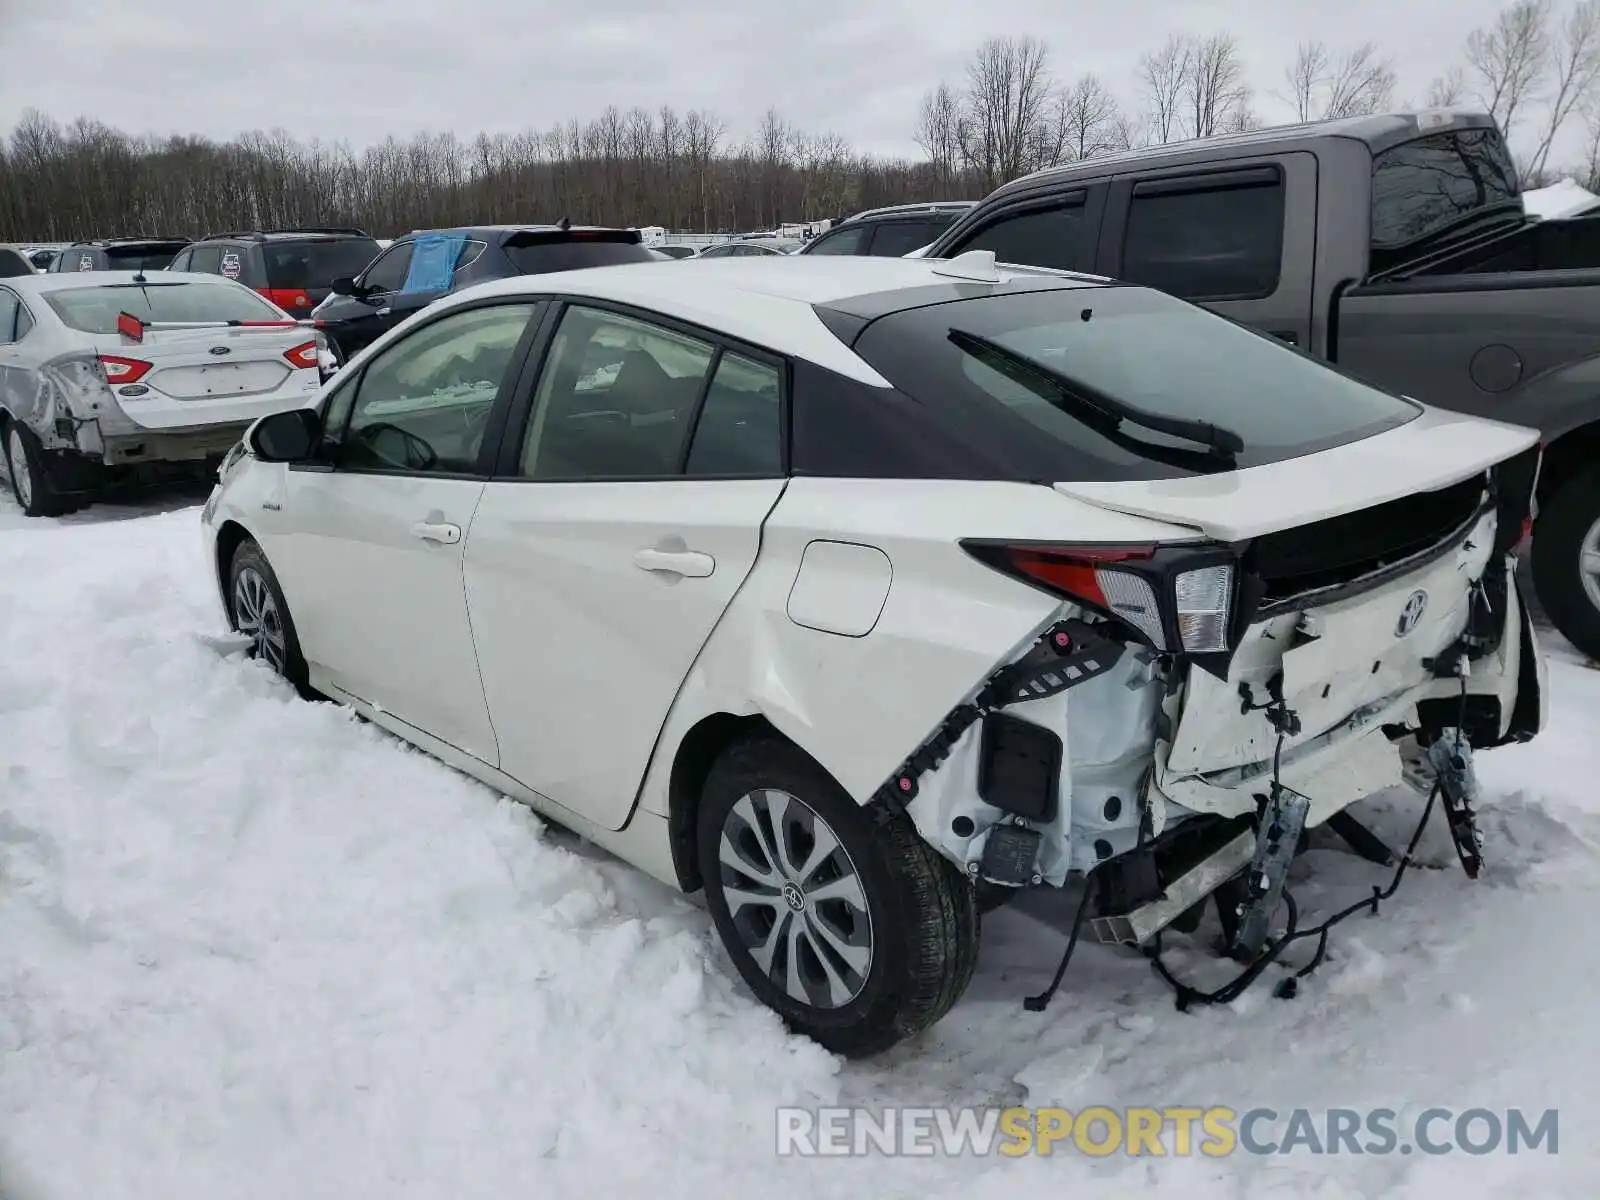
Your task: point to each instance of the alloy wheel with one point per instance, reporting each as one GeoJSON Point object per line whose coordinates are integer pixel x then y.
{"type": "Point", "coordinates": [21, 473]}
{"type": "Point", "coordinates": [795, 898]}
{"type": "Point", "coordinates": [255, 611]}
{"type": "Point", "coordinates": [1589, 563]}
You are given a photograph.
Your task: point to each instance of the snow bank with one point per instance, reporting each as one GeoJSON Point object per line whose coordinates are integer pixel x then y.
{"type": "Point", "coordinates": [1565, 199]}
{"type": "Point", "coordinates": [251, 947]}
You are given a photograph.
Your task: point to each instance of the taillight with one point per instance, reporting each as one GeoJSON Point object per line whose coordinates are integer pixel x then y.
{"type": "Point", "coordinates": [1176, 598]}
{"type": "Point", "coordinates": [121, 370]}
{"type": "Point", "coordinates": [303, 355]}
{"type": "Point", "coordinates": [287, 297]}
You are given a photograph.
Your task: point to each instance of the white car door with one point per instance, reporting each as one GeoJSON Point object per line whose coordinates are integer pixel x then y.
{"type": "Point", "coordinates": [646, 465]}
{"type": "Point", "coordinates": [370, 541]}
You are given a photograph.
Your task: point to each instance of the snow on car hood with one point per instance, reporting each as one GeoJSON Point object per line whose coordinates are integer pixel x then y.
{"type": "Point", "coordinates": [1437, 449]}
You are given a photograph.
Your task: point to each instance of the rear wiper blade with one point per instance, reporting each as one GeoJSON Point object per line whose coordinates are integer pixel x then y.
{"type": "Point", "coordinates": [1111, 412]}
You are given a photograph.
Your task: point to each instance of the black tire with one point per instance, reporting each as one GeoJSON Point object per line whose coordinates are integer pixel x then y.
{"type": "Point", "coordinates": [256, 608]}
{"type": "Point", "coordinates": [920, 913]}
{"type": "Point", "coordinates": [1565, 522]}
{"type": "Point", "coordinates": [42, 498]}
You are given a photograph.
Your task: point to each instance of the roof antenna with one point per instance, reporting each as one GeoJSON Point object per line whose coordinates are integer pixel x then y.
{"type": "Point", "coordinates": [564, 224]}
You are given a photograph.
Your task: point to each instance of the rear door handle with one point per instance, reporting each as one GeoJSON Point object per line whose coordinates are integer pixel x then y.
{"type": "Point", "coordinates": [690, 563]}
{"type": "Point", "coordinates": [447, 535]}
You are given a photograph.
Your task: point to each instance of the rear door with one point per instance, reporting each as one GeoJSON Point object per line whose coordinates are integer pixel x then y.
{"type": "Point", "coordinates": [1239, 238]}
{"type": "Point", "coordinates": [627, 513]}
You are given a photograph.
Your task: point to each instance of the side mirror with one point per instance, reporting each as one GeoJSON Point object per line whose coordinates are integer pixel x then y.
{"type": "Point", "coordinates": [287, 436]}
{"type": "Point", "coordinates": [345, 285]}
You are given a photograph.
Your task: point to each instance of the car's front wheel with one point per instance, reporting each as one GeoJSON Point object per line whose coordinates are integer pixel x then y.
{"type": "Point", "coordinates": [858, 935]}
{"type": "Point", "coordinates": [257, 609]}
{"type": "Point", "coordinates": [1566, 560]}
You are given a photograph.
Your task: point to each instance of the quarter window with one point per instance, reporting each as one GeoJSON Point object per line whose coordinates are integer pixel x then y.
{"type": "Point", "coordinates": [616, 399]}
{"type": "Point", "coordinates": [423, 404]}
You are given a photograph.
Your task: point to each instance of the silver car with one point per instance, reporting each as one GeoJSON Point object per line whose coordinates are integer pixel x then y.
{"type": "Point", "coordinates": [113, 376]}
{"type": "Point", "coordinates": [751, 248]}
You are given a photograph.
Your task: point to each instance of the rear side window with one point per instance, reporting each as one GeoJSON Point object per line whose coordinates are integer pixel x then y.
{"type": "Point", "coordinates": [207, 259]}
{"type": "Point", "coordinates": [541, 259]}
{"type": "Point", "coordinates": [1139, 347]}
{"type": "Point", "coordinates": [181, 263]}
{"type": "Point", "coordinates": [1204, 241]}
{"type": "Point", "coordinates": [896, 239]}
{"type": "Point", "coordinates": [740, 430]}
{"type": "Point", "coordinates": [1421, 188]}
{"type": "Point", "coordinates": [10, 306]}
{"type": "Point", "coordinates": [316, 264]}
{"type": "Point", "coordinates": [1055, 237]}
{"type": "Point", "coordinates": [95, 309]}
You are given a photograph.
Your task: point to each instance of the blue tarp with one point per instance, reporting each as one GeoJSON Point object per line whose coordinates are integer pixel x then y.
{"type": "Point", "coordinates": [433, 262]}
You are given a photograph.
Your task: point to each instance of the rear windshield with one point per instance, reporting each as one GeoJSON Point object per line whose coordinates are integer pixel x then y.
{"type": "Point", "coordinates": [316, 264]}
{"type": "Point", "coordinates": [95, 309]}
{"type": "Point", "coordinates": [140, 258]}
{"type": "Point", "coordinates": [574, 256]}
{"type": "Point", "coordinates": [1424, 188]}
{"type": "Point", "coordinates": [1133, 345]}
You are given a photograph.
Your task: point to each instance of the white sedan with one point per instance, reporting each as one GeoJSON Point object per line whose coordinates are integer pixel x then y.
{"type": "Point", "coordinates": [862, 593]}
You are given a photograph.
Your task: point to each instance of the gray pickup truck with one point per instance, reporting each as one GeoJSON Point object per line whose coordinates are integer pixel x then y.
{"type": "Point", "coordinates": [1396, 247]}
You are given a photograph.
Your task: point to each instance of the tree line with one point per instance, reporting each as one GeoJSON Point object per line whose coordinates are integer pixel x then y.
{"type": "Point", "coordinates": [1535, 67]}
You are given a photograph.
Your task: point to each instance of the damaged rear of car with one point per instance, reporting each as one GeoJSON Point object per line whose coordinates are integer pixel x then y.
{"type": "Point", "coordinates": [1309, 592]}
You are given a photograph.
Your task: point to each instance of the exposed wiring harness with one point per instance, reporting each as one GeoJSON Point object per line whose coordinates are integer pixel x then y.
{"type": "Point", "coordinates": [1286, 724]}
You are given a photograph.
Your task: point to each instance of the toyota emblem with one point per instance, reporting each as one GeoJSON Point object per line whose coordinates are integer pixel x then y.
{"type": "Point", "coordinates": [1411, 614]}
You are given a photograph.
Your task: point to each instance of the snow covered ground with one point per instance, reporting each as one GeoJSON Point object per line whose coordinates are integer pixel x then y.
{"type": "Point", "coordinates": [250, 947]}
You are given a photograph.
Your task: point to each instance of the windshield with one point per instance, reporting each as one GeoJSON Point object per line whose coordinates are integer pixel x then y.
{"type": "Point", "coordinates": [316, 264]}
{"type": "Point", "coordinates": [1153, 353]}
{"type": "Point", "coordinates": [95, 309]}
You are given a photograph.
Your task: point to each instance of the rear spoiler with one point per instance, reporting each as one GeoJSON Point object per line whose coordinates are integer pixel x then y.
{"type": "Point", "coordinates": [550, 237]}
{"type": "Point", "coordinates": [133, 328]}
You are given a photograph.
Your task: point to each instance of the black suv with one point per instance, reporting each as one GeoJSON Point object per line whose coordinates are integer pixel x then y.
{"type": "Point", "coordinates": [119, 254]}
{"type": "Point", "coordinates": [294, 268]}
{"type": "Point", "coordinates": [427, 264]}
{"type": "Point", "coordinates": [889, 232]}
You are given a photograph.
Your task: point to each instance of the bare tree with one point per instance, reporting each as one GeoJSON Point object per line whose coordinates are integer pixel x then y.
{"type": "Point", "coordinates": [1307, 76]}
{"type": "Point", "coordinates": [1164, 76]}
{"type": "Point", "coordinates": [1509, 59]}
{"type": "Point", "coordinates": [1360, 83]}
{"type": "Point", "coordinates": [1004, 124]}
{"type": "Point", "coordinates": [1575, 56]}
{"type": "Point", "coordinates": [939, 131]}
{"type": "Point", "coordinates": [1447, 90]}
{"type": "Point", "coordinates": [1215, 96]}
{"type": "Point", "coordinates": [1088, 116]}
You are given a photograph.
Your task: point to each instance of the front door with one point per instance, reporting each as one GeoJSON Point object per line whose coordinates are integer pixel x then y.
{"type": "Point", "coordinates": [650, 460]}
{"type": "Point", "coordinates": [370, 552]}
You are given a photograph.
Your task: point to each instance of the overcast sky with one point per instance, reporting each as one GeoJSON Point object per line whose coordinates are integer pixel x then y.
{"type": "Point", "coordinates": [358, 70]}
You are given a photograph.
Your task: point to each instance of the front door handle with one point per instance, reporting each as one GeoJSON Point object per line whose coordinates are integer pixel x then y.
{"type": "Point", "coordinates": [688, 563]}
{"type": "Point", "coordinates": [447, 535]}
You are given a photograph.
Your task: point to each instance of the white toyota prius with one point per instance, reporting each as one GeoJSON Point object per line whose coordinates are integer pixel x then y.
{"type": "Point", "coordinates": [864, 593]}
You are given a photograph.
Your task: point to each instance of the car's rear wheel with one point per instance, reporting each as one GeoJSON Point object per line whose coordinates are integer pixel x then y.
{"type": "Point", "coordinates": [257, 609]}
{"type": "Point", "coordinates": [858, 935]}
{"type": "Point", "coordinates": [31, 485]}
{"type": "Point", "coordinates": [1566, 560]}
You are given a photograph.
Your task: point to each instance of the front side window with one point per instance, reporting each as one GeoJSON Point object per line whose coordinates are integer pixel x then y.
{"type": "Point", "coordinates": [1054, 237]}
{"type": "Point", "coordinates": [615, 400]}
{"type": "Point", "coordinates": [1206, 242]}
{"type": "Point", "coordinates": [95, 309]}
{"type": "Point", "coordinates": [423, 404]}
{"type": "Point", "coordinates": [842, 241]}
{"type": "Point", "coordinates": [1146, 350]}
{"type": "Point", "coordinates": [388, 274]}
